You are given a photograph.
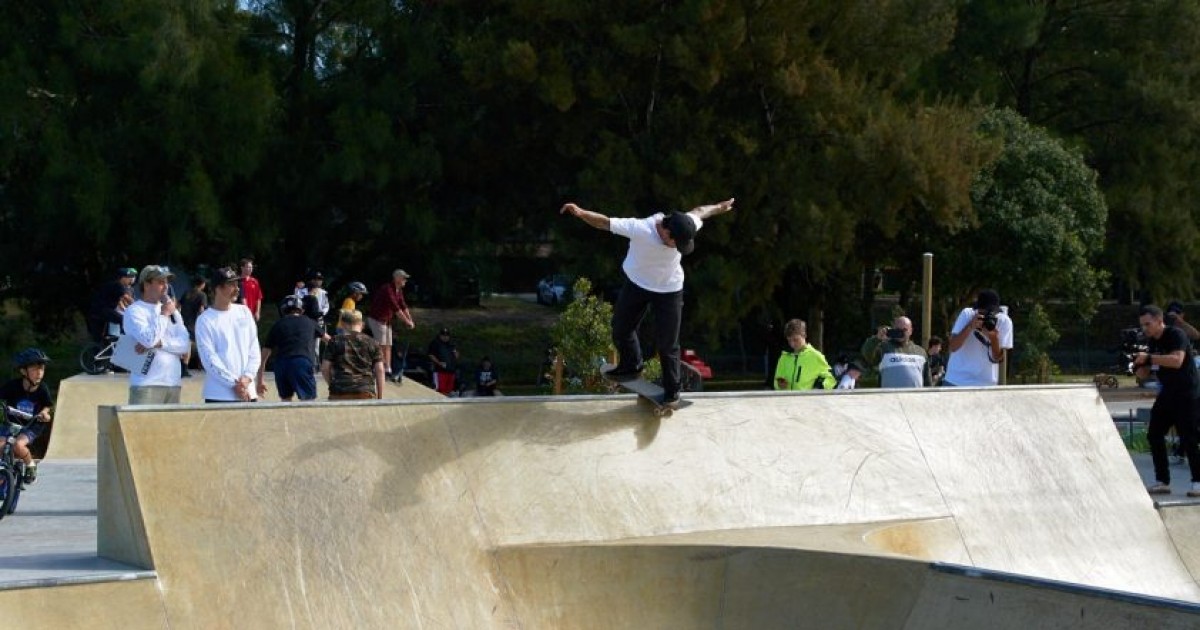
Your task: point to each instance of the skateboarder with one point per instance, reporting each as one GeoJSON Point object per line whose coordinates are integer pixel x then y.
{"type": "Point", "coordinates": [653, 278]}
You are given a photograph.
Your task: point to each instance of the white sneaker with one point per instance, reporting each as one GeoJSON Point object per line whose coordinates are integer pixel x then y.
{"type": "Point", "coordinates": [1158, 487]}
{"type": "Point", "coordinates": [1195, 491]}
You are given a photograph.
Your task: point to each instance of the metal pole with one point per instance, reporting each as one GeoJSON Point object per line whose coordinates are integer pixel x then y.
{"type": "Point", "coordinates": [927, 299]}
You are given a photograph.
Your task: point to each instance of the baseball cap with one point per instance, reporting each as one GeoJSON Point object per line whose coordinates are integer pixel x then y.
{"type": "Point", "coordinates": [1175, 307]}
{"type": "Point", "coordinates": [988, 298]}
{"type": "Point", "coordinates": [444, 331]}
{"type": "Point", "coordinates": [127, 272]}
{"type": "Point", "coordinates": [316, 274]}
{"type": "Point", "coordinates": [400, 273]}
{"type": "Point", "coordinates": [154, 272]}
{"type": "Point", "coordinates": [683, 231]}
{"type": "Point", "coordinates": [223, 275]}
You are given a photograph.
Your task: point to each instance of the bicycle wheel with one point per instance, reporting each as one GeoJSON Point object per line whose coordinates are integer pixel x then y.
{"type": "Point", "coordinates": [88, 360]}
{"type": "Point", "coordinates": [9, 491]}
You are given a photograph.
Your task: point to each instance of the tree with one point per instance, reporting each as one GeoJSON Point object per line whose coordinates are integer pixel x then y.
{"type": "Point", "coordinates": [1039, 227]}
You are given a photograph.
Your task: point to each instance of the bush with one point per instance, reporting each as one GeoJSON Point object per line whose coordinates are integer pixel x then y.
{"type": "Point", "coordinates": [583, 338]}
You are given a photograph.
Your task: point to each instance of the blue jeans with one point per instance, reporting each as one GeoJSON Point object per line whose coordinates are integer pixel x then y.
{"type": "Point", "coordinates": [294, 377]}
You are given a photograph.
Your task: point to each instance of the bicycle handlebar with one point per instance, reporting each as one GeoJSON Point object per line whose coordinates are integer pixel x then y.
{"type": "Point", "coordinates": [17, 413]}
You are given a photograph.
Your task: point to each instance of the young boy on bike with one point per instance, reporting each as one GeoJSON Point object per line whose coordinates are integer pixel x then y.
{"type": "Point", "coordinates": [28, 394]}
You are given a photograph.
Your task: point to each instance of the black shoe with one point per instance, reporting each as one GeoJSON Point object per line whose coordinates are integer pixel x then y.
{"type": "Point", "coordinates": [624, 373]}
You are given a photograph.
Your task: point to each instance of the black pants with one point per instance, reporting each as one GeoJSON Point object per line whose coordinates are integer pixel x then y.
{"type": "Point", "coordinates": [627, 316]}
{"type": "Point", "coordinates": [1179, 412]}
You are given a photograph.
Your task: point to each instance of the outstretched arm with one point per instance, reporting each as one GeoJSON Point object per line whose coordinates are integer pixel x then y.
{"type": "Point", "coordinates": [594, 219]}
{"type": "Point", "coordinates": [712, 210]}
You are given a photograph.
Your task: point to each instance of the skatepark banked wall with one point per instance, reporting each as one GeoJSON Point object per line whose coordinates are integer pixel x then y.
{"type": "Point", "coordinates": [744, 511]}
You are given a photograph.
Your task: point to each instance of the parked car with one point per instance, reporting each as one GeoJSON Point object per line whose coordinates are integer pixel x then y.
{"type": "Point", "coordinates": [555, 289]}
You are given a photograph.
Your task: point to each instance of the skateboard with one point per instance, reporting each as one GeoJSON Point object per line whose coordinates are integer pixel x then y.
{"type": "Point", "coordinates": [647, 391]}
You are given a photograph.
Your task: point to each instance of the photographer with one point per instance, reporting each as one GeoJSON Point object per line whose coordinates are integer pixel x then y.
{"type": "Point", "coordinates": [978, 340]}
{"type": "Point", "coordinates": [901, 363]}
{"type": "Point", "coordinates": [1178, 397]}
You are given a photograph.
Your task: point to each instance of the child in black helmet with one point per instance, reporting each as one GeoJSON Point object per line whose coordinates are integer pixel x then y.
{"type": "Point", "coordinates": [29, 394]}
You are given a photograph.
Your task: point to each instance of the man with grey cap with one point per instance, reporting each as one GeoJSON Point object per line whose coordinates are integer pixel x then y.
{"type": "Point", "coordinates": [386, 304]}
{"type": "Point", "coordinates": [653, 278]}
{"type": "Point", "coordinates": [161, 340]}
{"type": "Point", "coordinates": [978, 340]}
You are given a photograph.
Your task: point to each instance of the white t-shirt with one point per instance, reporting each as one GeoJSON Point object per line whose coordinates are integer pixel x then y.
{"type": "Point", "coordinates": [970, 365]}
{"type": "Point", "coordinates": [650, 263]}
{"type": "Point", "coordinates": [228, 345]}
{"type": "Point", "coordinates": [148, 326]}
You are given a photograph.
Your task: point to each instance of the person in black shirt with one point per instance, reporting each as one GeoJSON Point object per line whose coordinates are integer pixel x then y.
{"type": "Point", "coordinates": [108, 304]}
{"type": "Point", "coordinates": [486, 378]}
{"type": "Point", "coordinates": [1178, 398]}
{"type": "Point", "coordinates": [443, 359]}
{"type": "Point", "coordinates": [29, 394]}
{"type": "Point", "coordinates": [290, 341]}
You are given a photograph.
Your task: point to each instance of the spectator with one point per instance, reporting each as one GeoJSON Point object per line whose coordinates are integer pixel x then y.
{"type": "Point", "coordinates": [937, 363]}
{"type": "Point", "coordinates": [290, 341]}
{"type": "Point", "coordinates": [486, 378]}
{"type": "Point", "coordinates": [250, 292]}
{"type": "Point", "coordinates": [353, 362]}
{"type": "Point", "coordinates": [1178, 399]}
{"type": "Point", "coordinates": [29, 394]}
{"type": "Point", "coordinates": [356, 291]}
{"type": "Point", "coordinates": [653, 279]}
{"type": "Point", "coordinates": [443, 360]}
{"type": "Point", "coordinates": [901, 363]}
{"type": "Point", "coordinates": [107, 311]}
{"type": "Point", "coordinates": [227, 340]}
{"type": "Point", "coordinates": [194, 303]}
{"type": "Point", "coordinates": [161, 340]}
{"type": "Point", "coordinates": [1175, 317]}
{"type": "Point", "coordinates": [315, 301]}
{"type": "Point", "coordinates": [847, 372]}
{"type": "Point", "coordinates": [978, 340]}
{"type": "Point", "coordinates": [804, 367]}
{"type": "Point", "coordinates": [387, 304]}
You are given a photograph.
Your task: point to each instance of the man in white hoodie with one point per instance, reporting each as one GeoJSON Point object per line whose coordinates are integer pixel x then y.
{"type": "Point", "coordinates": [227, 340]}
{"type": "Point", "coordinates": [161, 340]}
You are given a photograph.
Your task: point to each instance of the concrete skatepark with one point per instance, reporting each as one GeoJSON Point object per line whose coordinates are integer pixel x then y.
{"type": "Point", "coordinates": [880, 509]}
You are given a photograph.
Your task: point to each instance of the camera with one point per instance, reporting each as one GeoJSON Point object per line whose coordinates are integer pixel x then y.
{"type": "Point", "coordinates": [1133, 342]}
{"type": "Point", "coordinates": [990, 318]}
{"type": "Point", "coordinates": [895, 334]}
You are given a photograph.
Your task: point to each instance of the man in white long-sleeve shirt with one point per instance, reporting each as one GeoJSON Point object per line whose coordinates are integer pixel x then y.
{"type": "Point", "coordinates": [161, 338]}
{"type": "Point", "coordinates": [227, 341]}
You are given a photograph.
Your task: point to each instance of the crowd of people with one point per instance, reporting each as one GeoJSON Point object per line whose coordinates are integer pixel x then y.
{"type": "Point", "coordinates": [160, 338]}
{"type": "Point", "coordinates": [980, 335]}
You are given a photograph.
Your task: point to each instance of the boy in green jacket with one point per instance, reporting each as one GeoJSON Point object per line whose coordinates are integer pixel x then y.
{"type": "Point", "coordinates": [805, 367]}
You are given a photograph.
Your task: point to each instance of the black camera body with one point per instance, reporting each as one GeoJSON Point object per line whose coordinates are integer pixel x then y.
{"type": "Point", "coordinates": [1133, 342]}
{"type": "Point", "coordinates": [895, 334]}
{"type": "Point", "coordinates": [990, 318]}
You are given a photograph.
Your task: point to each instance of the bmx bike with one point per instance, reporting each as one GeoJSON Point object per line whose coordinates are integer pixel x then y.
{"type": "Point", "coordinates": [96, 356]}
{"type": "Point", "coordinates": [12, 469]}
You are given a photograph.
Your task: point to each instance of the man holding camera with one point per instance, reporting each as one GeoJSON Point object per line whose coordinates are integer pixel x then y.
{"type": "Point", "coordinates": [1178, 397]}
{"type": "Point", "coordinates": [978, 340]}
{"type": "Point", "coordinates": [901, 363]}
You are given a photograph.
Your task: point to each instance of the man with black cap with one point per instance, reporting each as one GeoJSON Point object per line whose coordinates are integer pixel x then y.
{"type": "Point", "coordinates": [653, 278]}
{"type": "Point", "coordinates": [978, 340]}
{"type": "Point", "coordinates": [1175, 317]}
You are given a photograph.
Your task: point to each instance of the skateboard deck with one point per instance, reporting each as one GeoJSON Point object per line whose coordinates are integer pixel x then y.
{"type": "Point", "coordinates": [647, 391]}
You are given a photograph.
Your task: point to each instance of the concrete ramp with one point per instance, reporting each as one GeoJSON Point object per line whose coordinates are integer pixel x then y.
{"type": "Point", "coordinates": [743, 511]}
{"type": "Point", "coordinates": [79, 398]}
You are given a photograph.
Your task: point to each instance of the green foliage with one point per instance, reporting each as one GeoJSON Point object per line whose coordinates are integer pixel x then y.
{"type": "Point", "coordinates": [1036, 335]}
{"type": "Point", "coordinates": [1039, 222]}
{"type": "Point", "coordinates": [583, 336]}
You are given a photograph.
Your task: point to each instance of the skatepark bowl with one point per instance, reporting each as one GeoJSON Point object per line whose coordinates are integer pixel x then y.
{"type": "Point", "coordinates": [948, 508]}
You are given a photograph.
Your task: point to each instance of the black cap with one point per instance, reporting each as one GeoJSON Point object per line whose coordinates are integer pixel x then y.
{"type": "Point", "coordinates": [987, 299]}
{"type": "Point", "coordinates": [444, 331]}
{"type": "Point", "coordinates": [683, 231]}
{"type": "Point", "coordinates": [1175, 307]}
{"type": "Point", "coordinates": [223, 275]}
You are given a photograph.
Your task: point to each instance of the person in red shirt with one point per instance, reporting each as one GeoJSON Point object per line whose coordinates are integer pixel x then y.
{"type": "Point", "coordinates": [250, 293]}
{"type": "Point", "coordinates": [387, 303]}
